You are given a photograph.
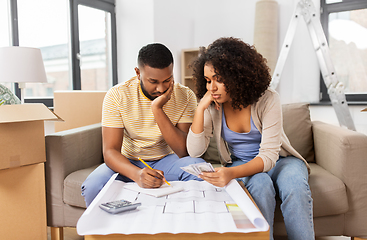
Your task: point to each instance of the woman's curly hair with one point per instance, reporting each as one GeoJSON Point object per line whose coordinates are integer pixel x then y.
{"type": "Point", "coordinates": [243, 70]}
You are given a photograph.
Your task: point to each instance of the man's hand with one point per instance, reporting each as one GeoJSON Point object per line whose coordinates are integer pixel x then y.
{"type": "Point", "coordinates": [149, 178]}
{"type": "Point", "coordinates": [219, 178]}
{"type": "Point", "coordinates": [164, 98]}
{"type": "Point", "coordinates": [174, 135]}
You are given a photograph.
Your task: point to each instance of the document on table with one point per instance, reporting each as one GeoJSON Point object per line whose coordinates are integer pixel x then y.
{"type": "Point", "coordinates": [200, 207]}
{"type": "Point", "coordinates": [156, 192]}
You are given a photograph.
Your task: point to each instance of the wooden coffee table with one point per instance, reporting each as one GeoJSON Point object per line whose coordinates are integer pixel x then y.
{"type": "Point", "coordinates": [184, 236]}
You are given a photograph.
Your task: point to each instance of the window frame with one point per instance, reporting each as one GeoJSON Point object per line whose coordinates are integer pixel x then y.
{"type": "Point", "coordinates": [326, 9]}
{"type": "Point", "coordinates": [105, 5]}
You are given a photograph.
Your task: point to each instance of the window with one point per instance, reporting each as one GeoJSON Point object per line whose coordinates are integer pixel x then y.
{"type": "Point", "coordinates": [94, 54]}
{"type": "Point", "coordinates": [4, 30]}
{"type": "Point", "coordinates": [345, 27]}
{"type": "Point", "coordinates": [43, 24]}
{"type": "Point", "coordinates": [77, 39]}
{"type": "Point", "coordinates": [95, 48]}
{"type": "Point", "coordinates": [4, 24]}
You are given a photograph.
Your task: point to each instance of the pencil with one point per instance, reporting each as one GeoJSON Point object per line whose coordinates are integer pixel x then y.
{"type": "Point", "coordinates": [141, 160]}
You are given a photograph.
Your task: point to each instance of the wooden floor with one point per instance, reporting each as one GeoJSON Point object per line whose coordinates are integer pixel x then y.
{"type": "Point", "coordinates": [71, 234]}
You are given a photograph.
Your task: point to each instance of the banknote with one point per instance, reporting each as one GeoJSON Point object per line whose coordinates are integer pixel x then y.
{"type": "Point", "coordinates": [196, 169]}
{"type": "Point", "coordinates": [190, 170]}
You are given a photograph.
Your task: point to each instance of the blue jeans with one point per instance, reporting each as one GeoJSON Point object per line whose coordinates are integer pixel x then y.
{"type": "Point", "coordinates": [288, 180]}
{"type": "Point", "coordinates": [170, 165]}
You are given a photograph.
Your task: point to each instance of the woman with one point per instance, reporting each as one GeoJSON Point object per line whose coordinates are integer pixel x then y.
{"type": "Point", "coordinates": [244, 115]}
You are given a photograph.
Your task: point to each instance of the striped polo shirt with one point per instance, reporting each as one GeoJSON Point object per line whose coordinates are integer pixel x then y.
{"type": "Point", "coordinates": [125, 106]}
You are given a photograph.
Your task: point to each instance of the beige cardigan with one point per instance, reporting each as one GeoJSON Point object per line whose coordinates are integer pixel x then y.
{"type": "Point", "coordinates": [267, 116]}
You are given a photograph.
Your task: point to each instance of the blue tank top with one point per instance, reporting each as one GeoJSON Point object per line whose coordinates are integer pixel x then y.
{"type": "Point", "coordinates": [244, 146]}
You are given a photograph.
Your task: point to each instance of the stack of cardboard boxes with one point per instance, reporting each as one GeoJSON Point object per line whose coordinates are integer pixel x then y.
{"type": "Point", "coordinates": [22, 178]}
{"type": "Point", "coordinates": [78, 108]}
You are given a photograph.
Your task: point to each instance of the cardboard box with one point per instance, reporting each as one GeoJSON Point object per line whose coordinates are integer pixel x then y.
{"type": "Point", "coordinates": [22, 140]}
{"type": "Point", "coordinates": [78, 108]}
{"type": "Point", "coordinates": [23, 203]}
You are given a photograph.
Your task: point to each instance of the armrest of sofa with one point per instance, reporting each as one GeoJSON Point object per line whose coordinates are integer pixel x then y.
{"type": "Point", "coordinates": [71, 150]}
{"type": "Point", "coordinates": [343, 153]}
{"type": "Point", "coordinates": [66, 152]}
{"type": "Point", "coordinates": [340, 151]}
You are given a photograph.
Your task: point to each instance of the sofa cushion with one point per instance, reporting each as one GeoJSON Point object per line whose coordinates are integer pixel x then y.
{"type": "Point", "coordinates": [72, 187]}
{"type": "Point", "coordinates": [298, 128]}
{"type": "Point", "coordinates": [329, 194]}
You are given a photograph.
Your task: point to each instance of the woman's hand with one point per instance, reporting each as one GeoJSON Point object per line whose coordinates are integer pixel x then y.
{"type": "Point", "coordinates": [219, 178]}
{"type": "Point", "coordinates": [207, 100]}
{"type": "Point", "coordinates": [197, 125]}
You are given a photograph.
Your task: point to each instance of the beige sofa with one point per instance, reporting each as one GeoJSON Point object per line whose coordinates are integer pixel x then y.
{"type": "Point", "coordinates": [337, 158]}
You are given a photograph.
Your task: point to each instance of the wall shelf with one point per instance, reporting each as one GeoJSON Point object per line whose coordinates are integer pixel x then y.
{"type": "Point", "coordinates": [187, 56]}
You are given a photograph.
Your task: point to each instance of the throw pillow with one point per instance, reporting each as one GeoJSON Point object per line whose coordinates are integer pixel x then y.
{"type": "Point", "coordinates": [298, 128]}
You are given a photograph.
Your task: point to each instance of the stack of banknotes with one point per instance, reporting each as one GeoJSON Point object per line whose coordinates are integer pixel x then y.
{"type": "Point", "coordinates": [196, 169]}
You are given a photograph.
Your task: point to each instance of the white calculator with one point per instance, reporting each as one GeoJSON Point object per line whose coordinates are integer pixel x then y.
{"type": "Point", "coordinates": [119, 206]}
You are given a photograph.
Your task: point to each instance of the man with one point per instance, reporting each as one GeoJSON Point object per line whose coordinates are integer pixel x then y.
{"type": "Point", "coordinates": [146, 117]}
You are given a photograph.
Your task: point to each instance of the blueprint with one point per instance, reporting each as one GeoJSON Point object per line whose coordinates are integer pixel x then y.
{"type": "Point", "coordinates": [200, 207]}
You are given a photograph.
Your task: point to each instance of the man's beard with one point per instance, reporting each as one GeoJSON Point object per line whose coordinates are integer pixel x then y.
{"type": "Point", "coordinates": [146, 93]}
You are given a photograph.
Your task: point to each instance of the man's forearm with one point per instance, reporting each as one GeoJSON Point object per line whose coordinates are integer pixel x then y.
{"type": "Point", "coordinates": [174, 137]}
{"type": "Point", "coordinates": [119, 163]}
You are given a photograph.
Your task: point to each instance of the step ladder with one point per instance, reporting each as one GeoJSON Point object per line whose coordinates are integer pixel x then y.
{"type": "Point", "coordinates": [335, 88]}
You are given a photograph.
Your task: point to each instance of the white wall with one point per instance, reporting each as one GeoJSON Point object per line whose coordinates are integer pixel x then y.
{"type": "Point", "coordinates": [191, 23]}
{"type": "Point", "coordinates": [179, 25]}
{"type": "Point", "coordinates": [135, 28]}
{"type": "Point", "coordinates": [182, 24]}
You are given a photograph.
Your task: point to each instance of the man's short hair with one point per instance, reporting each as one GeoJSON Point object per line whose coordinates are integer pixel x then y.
{"type": "Point", "coordinates": [155, 55]}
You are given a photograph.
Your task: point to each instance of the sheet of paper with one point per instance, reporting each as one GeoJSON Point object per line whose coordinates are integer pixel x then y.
{"type": "Point", "coordinates": [179, 207]}
{"type": "Point", "coordinates": [187, 194]}
{"type": "Point", "coordinates": [150, 200]}
{"type": "Point", "coordinates": [210, 206]}
{"type": "Point", "coordinates": [156, 192]}
{"type": "Point", "coordinates": [219, 195]}
{"type": "Point", "coordinates": [166, 214]}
